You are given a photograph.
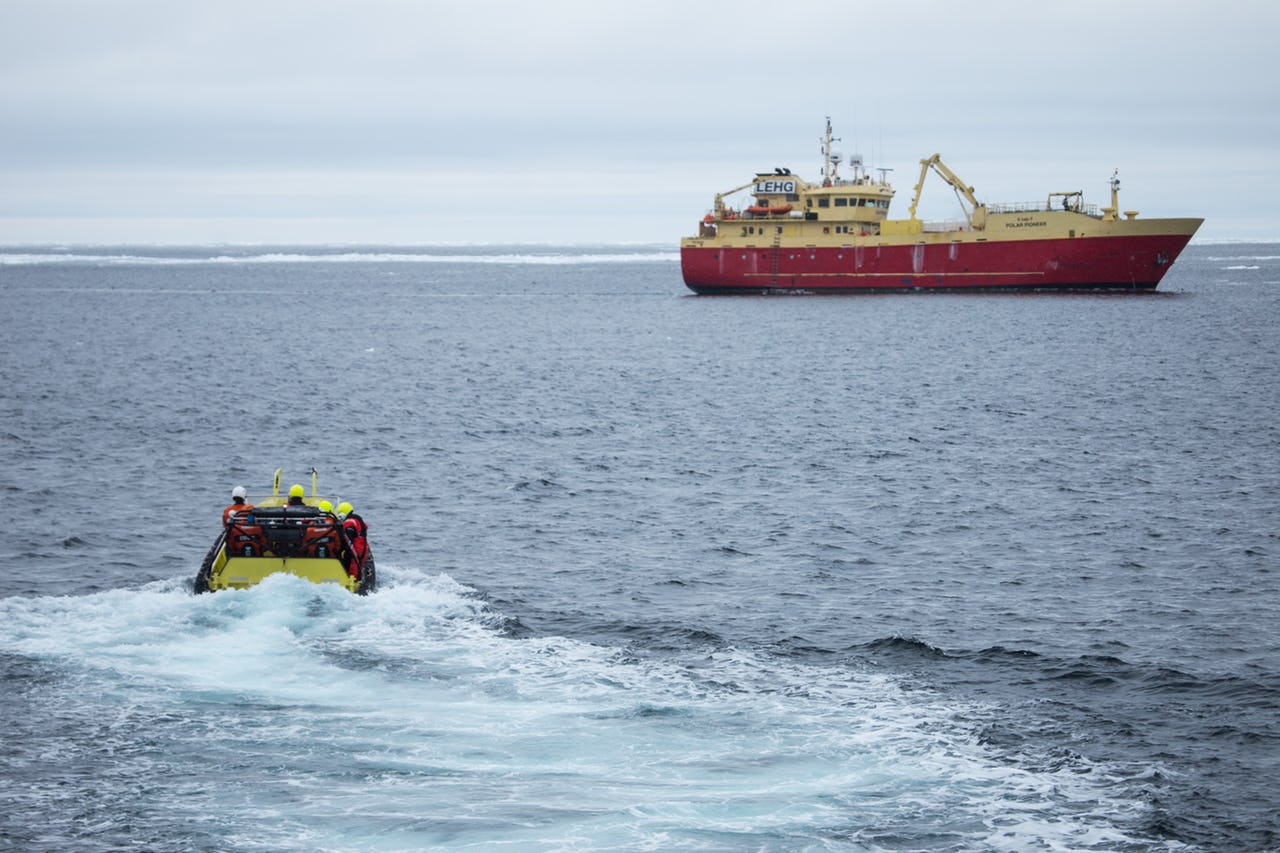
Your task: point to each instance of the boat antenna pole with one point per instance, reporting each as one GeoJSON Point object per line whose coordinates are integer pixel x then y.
{"type": "Point", "coordinates": [828, 170]}
{"type": "Point", "coordinates": [1113, 212]}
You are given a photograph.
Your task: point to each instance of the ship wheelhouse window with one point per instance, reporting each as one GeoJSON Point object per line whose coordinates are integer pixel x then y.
{"type": "Point", "coordinates": [824, 202]}
{"type": "Point", "coordinates": [842, 202]}
{"type": "Point", "coordinates": [793, 196]}
{"type": "Point", "coordinates": [862, 202]}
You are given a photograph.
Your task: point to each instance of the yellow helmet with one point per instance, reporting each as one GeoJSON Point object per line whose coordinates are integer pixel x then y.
{"type": "Point", "coordinates": [344, 509]}
{"type": "Point", "coordinates": [325, 506]}
{"type": "Point", "coordinates": [295, 491]}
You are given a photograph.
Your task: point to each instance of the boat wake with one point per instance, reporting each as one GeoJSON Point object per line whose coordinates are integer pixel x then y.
{"type": "Point", "coordinates": [291, 715]}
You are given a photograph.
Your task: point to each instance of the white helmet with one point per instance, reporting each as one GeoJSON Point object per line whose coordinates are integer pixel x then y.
{"type": "Point", "coordinates": [238, 492]}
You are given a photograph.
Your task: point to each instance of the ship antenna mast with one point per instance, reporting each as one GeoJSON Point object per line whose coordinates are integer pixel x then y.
{"type": "Point", "coordinates": [829, 164]}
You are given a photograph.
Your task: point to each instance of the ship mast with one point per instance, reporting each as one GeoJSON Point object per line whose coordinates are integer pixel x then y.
{"type": "Point", "coordinates": [1113, 212]}
{"type": "Point", "coordinates": [830, 164]}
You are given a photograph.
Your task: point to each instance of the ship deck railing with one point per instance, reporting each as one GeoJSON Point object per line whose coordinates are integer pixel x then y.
{"type": "Point", "coordinates": [1041, 207]}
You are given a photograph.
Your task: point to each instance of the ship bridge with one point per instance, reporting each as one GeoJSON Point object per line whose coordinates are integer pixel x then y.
{"type": "Point", "coordinates": [859, 200]}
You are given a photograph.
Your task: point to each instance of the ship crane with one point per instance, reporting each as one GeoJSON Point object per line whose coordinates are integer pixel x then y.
{"type": "Point", "coordinates": [720, 197]}
{"type": "Point", "coordinates": [977, 213]}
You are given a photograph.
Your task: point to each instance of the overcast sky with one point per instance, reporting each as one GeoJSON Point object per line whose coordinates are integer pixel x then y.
{"type": "Point", "coordinates": [562, 121]}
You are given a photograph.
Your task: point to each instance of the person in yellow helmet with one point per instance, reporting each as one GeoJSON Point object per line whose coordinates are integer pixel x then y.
{"type": "Point", "coordinates": [295, 495]}
{"type": "Point", "coordinates": [357, 533]}
{"type": "Point", "coordinates": [325, 507]}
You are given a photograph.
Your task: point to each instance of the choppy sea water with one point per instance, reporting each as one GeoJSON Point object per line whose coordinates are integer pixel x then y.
{"type": "Point", "coordinates": [900, 572]}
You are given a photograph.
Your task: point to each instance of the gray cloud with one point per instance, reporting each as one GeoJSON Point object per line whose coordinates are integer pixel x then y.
{"type": "Point", "coordinates": [348, 113]}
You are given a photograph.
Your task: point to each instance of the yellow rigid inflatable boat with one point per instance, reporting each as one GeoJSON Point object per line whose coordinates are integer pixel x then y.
{"type": "Point", "coordinates": [273, 536]}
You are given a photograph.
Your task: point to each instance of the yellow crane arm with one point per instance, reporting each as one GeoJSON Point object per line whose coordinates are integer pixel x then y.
{"type": "Point", "coordinates": [935, 163]}
{"type": "Point", "coordinates": [720, 197]}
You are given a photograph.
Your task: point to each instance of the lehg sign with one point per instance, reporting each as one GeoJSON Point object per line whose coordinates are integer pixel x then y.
{"type": "Point", "coordinates": [772, 187]}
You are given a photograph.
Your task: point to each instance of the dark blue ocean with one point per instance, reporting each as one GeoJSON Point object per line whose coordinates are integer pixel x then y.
{"type": "Point", "coordinates": [659, 572]}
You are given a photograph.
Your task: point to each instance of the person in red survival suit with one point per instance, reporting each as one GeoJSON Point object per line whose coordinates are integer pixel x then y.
{"type": "Point", "coordinates": [357, 534]}
{"type": "Point", "coordinates": [237, 505]}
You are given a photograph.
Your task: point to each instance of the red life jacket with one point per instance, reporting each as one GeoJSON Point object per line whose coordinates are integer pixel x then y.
{"type": "Point", "coordinates": [357, 532]}
{"type": "Point", "coordinates": [355, 527]}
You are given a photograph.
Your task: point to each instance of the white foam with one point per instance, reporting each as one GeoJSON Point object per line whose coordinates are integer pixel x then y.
{"type": "Point", "coordinates": [413, 715]}
{"type": "Point", "coordinates": [550, 257]}
{"type": "Point", "coordinates": [1218, 258]}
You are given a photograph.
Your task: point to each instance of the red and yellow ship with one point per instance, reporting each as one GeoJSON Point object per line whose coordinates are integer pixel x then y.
{"type": "Point", "coordinates": [836, 236]}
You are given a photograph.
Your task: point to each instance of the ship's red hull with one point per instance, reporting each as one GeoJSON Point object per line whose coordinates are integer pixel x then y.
{"type": "Point", "coordinates": [1114, 262]}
